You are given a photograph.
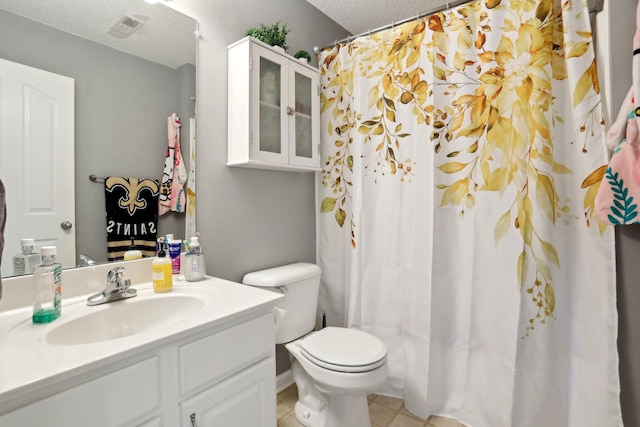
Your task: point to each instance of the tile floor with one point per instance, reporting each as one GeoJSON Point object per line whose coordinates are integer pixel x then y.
{"type": "Point", "coordinates": [384, 411]}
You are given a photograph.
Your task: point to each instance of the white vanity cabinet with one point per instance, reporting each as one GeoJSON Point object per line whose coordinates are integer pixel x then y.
{"type": "Point", "coordinates": [222, 375]}
{"type": "Point", "coordinates": [211, 395]}
{"type": "Point", "coordinates": [273, 109]}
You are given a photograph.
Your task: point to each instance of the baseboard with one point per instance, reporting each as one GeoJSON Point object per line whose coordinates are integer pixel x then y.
{"type": "Point", "coordinates": [284, 380]}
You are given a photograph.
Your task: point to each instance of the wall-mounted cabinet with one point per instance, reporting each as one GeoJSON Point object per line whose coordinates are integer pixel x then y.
{"type": "Point", "coordinates": [273, 109]}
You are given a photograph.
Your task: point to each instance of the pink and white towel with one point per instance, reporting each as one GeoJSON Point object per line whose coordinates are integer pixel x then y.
{"type": "Point", "coordinates": [172, 194]}
{"type": "Point", "coordinates": [618, 197]}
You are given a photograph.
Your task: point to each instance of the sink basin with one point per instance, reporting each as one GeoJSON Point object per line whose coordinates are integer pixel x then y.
{"type": "Point", "coordinates": [123, 318]}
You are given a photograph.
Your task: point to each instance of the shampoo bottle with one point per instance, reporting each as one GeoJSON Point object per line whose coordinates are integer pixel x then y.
{"type": "Point", "coordinates": [132, 253]}
{"type": "Point", "coordinates": [25, 262]}
{"type": "Point", "coordinates": [47, 287]}
{"type": "Point", "coordinates": [161, 272]}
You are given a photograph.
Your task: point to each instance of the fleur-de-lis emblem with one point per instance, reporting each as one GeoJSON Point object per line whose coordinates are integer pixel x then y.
{"type": "Point", "coordinates": [132, 187]}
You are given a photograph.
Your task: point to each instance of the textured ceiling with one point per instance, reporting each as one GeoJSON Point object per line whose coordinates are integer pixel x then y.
{"type": "Point", "coordinates": [166, 36]}
{"type": "Point", "coordinates": [360, 16]}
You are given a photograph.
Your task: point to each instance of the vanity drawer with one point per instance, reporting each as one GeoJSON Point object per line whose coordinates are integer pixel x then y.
{"type": "Point", "coordinates": [218, 356]}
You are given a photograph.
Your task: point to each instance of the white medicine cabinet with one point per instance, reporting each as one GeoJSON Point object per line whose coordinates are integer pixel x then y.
{"type": "Point", "coordinates": [273, 109]}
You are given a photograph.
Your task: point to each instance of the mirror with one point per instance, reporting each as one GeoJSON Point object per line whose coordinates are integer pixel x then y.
{"type": "Point", "coordinates": [133, 65]}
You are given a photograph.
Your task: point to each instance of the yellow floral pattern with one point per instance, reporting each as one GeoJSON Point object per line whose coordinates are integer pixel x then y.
{"type": "Point", "coordinates": [480, 77]}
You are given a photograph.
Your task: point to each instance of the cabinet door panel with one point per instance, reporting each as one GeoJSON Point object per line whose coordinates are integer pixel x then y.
{"type": "Point", "coordinates": [269, 123]}
{"type": "Point", "coordinates": [247, 399]}
{"type": "Point", "coordinates": [304, 130]}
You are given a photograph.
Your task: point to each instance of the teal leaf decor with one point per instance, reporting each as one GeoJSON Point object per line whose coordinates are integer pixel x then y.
{"type": "Point", "coordinates": [624, 211]}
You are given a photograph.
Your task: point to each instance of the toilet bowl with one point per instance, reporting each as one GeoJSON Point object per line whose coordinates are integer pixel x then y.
{"type": "Point", "coordinates": [333, 368]}
{"type": "Point", "coordinates": [344, 366]}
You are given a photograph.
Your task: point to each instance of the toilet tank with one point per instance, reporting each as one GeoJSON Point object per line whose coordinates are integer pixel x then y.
{"type": "Point", "coordinates": [299, 283]}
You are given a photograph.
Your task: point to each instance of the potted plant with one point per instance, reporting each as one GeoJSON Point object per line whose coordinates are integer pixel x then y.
{"type": "Point", "coordinates": [273, 35]}
{"type": "Point", "coordinates": [303, 56]}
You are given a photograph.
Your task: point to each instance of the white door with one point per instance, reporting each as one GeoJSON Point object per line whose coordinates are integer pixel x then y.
{"type": "Point", "coordinates": [37, 160]}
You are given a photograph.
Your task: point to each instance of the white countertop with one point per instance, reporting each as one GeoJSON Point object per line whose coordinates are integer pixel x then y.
{"type": "Point", "coordinates": [29, 363]}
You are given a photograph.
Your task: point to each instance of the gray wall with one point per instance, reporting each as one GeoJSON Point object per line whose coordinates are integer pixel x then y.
{"type": "Point", "coordinates": [622, 26]}
{"type": "Point", "coordinates": [122, 105]}
{"type": "Point", "coordinates": [249, 219]}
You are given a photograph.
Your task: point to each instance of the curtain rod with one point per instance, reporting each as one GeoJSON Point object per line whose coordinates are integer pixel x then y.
{"type": "Point", "coordinates": [447, 6]}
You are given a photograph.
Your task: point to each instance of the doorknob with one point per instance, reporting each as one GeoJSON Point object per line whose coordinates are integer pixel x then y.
{"type": "Point", "coordinates": [66, 225]}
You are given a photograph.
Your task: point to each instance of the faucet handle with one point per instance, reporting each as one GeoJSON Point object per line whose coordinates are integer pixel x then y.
{"type": "Point", "coordinates": [115, 274]}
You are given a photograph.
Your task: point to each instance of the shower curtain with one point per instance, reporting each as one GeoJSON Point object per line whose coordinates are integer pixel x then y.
{"type": "Point", "coordinates": [461, 156]}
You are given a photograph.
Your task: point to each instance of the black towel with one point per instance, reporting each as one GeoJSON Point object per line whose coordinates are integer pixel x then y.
{"type": "Point", "coordinates": [132, 211]}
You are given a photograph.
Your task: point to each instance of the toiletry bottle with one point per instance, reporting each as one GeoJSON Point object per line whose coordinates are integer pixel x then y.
{"type": "Point", "coordinates": [175, 246]}
{"type": "Point", "coordinates": [25, 262]}
{"type": "Point", "coordinates": [161, 272]}
{"type": "Point", "coordinates": [47, 287]}
{"type": "Point", "coordinates": [194, 268]}
{"type": "Point", "coordinates": [132, 253]}
{"type": "Point", "coordinates": [159, 243]}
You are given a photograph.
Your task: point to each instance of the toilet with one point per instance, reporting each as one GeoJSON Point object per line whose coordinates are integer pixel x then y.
{"type": "Point", "coordinates": [333, 368]}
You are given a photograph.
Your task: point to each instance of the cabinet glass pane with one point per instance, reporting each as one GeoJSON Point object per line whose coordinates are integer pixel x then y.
{"type": "Point", "coordinates": [304, 143]}
{"type": "Point", "coordinates": [270, 106]}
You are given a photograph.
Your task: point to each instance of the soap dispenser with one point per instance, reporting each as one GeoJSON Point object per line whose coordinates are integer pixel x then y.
{"type": "Point", "coordinates": [161, 272]}
{"type": "Point", "coordinates": [194, 268]}
{"type": "Point", "coordinates": [133, 252]}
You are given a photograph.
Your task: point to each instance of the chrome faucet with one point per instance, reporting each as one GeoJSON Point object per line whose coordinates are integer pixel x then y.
{"type": "Point", "coordinates": [117, 288]}
{"type": "Point", "coordinates": [86, 260]}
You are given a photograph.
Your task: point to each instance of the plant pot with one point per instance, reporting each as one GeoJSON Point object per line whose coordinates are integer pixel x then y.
{"type": "Point", "coordinates": [303, 60]}
{"type": "Point", "coordinates": [278, 48]}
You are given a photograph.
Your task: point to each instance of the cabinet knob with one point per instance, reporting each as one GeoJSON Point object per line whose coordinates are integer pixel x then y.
{"type": "Point", "coordinates": [193, 420]}
{"type": "Point", "coordinates": [291, 111]}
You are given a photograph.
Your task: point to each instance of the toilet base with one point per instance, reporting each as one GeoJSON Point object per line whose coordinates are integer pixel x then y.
{"type": "Point", "coordinates": [315, 408]}
{"type": "Point", "coordinates": [309, 417]}
{"type": "Point", "coordinates": [348, 411]}
{"type": "Point", "coordinates": [342, 411]}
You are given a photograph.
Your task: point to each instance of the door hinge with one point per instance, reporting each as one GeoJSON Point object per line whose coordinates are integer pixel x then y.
{"type": "Point", "coordinates": [250, 137]}
{"type": "Point", "coordinates": [251, 63]}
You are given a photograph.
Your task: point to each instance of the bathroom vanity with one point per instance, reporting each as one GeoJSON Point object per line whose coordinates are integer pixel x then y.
{"type": "Point", "coordinates": [201, 355]}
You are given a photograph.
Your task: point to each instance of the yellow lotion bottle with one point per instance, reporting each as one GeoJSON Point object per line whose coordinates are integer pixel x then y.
{"type": "Point", "coordinates": [161, 272]}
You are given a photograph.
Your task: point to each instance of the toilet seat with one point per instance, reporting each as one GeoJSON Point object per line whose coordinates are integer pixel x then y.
{"type": "Point", "coordinates": [343, 350]}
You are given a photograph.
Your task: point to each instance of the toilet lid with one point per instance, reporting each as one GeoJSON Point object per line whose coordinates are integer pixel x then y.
{"type": "Point", "coordinates": [344, 350]}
